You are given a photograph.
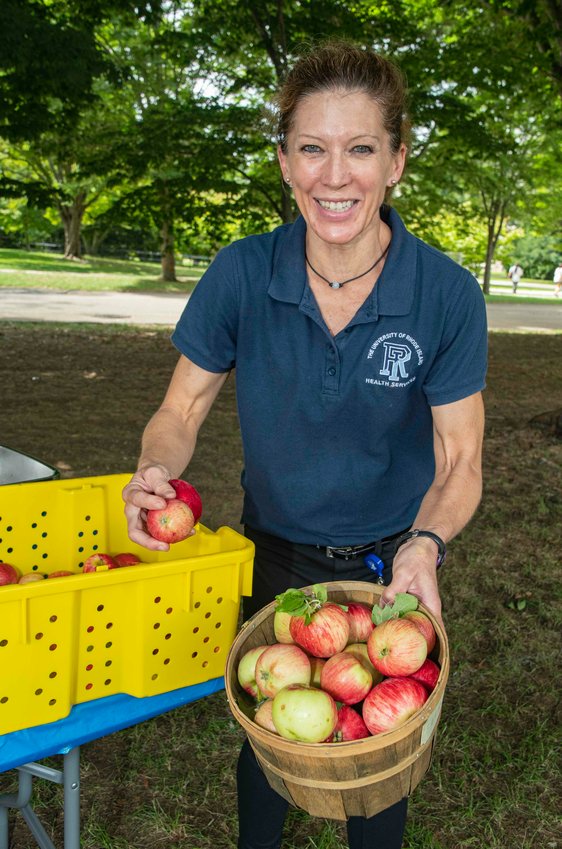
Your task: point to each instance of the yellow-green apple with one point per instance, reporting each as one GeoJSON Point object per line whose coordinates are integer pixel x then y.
{"type": "Point", "coordinates": [282, 627]}
{"type": "Point", "coordinates": [425, 625]}
{"type": "Point", "coordinates": [264, 716]}
{"type": "Point", "coordinates": [397, 647]}
{"type": "Point", "coordinates": [427, 674]}
{"type": "Point", "coordinates": [31, 578]}
{"type": "Point", "coordinates": [350, 726]}
{"type": "Point", "coordinates": [360, 651]}
{"type": "Point", "coordinates": [326, 633]}
{"type": "Point", "coordinates": [304, 713]}
{"type": "Point", "coordinates": [99, 562]}
{"type": "Point", "coordinates": [392, 702]}
{"type": "Point", "coordinates": [8, 574]}
{"type": "Point", "coordinates": [280, 665]}
{"type": "Point", "coordinates": [361, 623]}
{"type": "Point", "coordinates": [125, 558]}
{"type": "Point", "coordinates": [189, 495]}
{"type": "Point", "coordinates": [246, 671]}
{"type": "Point", "coordinates": [172, 523]}
{"type": "Point", "coordinates": [346, 678]}
{"type": "Point", "coordinates": [316, 666]}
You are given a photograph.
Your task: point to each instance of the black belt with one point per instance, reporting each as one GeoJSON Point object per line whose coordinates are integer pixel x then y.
{"type": "Point", "coordinates": [351, 552]}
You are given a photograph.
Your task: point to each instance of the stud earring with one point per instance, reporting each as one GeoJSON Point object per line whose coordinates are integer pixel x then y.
{"type": "Point", "coordinates": [288, 181]}
{"type": "Point", "coordinates": [393, 182]}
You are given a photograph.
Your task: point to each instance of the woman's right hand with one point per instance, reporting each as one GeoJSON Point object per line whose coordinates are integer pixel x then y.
{"type": "Point", "coordinates": [148, 489]}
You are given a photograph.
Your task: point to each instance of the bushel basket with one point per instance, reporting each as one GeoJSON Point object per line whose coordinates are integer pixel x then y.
{"type": "Point", "coordinates": [339, 780]}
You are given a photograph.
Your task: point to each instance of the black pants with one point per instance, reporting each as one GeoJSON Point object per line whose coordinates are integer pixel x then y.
{"type": "Point", "coordinates": [279, 565]}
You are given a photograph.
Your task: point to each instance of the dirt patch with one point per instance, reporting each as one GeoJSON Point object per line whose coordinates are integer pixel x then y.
{"type": "Point", "coordinates": [78, 398]}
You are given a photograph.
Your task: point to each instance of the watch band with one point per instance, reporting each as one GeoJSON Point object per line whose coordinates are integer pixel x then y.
{"type": "Point", "coordinates": [416, 532]}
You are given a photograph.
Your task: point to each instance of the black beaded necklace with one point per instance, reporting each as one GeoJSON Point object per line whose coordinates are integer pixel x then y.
{"type": "Point", "coordinates": [333, 284]}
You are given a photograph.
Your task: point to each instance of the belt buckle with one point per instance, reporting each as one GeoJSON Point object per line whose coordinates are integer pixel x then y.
{"type": "Point", "coordinates": [344, 552]}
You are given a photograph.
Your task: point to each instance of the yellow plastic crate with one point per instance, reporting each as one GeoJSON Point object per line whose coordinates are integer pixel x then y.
{"type": "Point", "coordinates": [140, 630]}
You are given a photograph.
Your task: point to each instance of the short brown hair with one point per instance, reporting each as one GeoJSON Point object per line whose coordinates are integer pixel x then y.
{"type": "Point", "coordinates": [343, 65]}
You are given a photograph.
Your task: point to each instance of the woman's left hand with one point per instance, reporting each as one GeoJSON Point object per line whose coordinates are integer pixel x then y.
{"type": "Point", "coordinates": [415, 571]}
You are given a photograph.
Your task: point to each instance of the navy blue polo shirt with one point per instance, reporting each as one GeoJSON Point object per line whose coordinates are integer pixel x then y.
{"type": "Point", "coordinates": [337, 431]}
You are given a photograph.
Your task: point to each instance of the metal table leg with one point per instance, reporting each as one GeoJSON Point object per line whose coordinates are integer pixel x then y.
{"type": "Point", "coordinates": [69, 777]}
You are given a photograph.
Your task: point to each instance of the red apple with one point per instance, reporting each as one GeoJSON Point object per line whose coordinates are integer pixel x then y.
{"type": "Point", "coordinates": [282, 627]}
{"type": "Point", "coordinates": [31, 578]}
{"type": "Point", "coordinates": [280, 665]}
{"type": "Point", "coordinates": [247, 670]}
{"type": "Point", "coordinates": [99, 562]}
{"type": "Point", "coordinates": [172, 523]}
{"type": "Point", "coordinates": [8, 574]}
{"type": "Point", "coordinates": [264, 716]}
{"type": "Point", "coordinates": [188, 494]}
{"type": "Point", "coordinates": [304, 713]}
{"type": "Point", "coordinates": [326, 633]}
{"type": "Point", "coordinates": [392, 702]}
{"type": "Point", "coordinates": [360, 651]}
{"type": "Point", "coordinates": [360, 621]}
{"type": "Point", "coordinates": [397, 647]}
{"type": "Point", "coordinates": [126, 559]}
{"type": "Point", "coordinates": [350, 726]}
{"type": "Point", "coordinates": [425, 625]}
{"type": "Point", "coordinates": [427, 674]}
{"type": "Point", "coordinates": [345, 678]}
{"type": "Point", "coordinates": [62, 573]}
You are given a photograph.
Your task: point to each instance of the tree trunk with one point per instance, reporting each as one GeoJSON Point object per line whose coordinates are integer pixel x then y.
{"type": "Point", "coordinates": [71, 215]}
{"type": "Point", "coordinates": [167, 249]}
{"type": "Point", "coordinates": [490, 248]}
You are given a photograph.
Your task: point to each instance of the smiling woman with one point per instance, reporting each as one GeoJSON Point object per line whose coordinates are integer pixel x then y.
{"type": "Point", "coordinates": [365, 350]}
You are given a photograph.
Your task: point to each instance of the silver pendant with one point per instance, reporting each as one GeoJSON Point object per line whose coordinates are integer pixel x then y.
{"type": "Point", "coordinates": [335, 285]}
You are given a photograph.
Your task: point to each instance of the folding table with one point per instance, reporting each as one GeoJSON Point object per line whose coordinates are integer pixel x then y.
{"type": "Point", "coordinates": [21, 750]}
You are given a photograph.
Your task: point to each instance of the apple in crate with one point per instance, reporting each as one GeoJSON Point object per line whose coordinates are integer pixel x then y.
{"type": "Point", "coordinates": [31, 578]}
{"type": "Point", "coordinates": [126, 559]}
{"type": "Point", "coordinates": [346, 678]}
{"type": "Point", "coordinates": [8, 574]}
{"type": "Point", "coordinates": [280, 665]}
{"type": "Point", "coordinates": [99, 562]}
{"type": "Point", "coordinates": [304, 713]}
{"type": "Point", "coordinates": [397, 647]}
{"type": "Point", "coordinates": [425, 625]}
{"type": "Point", "coordinates": [172, 523]}
{"type": "Point", "coordinates": [61, 573]}
{"type": "Point", "coordinates": [392, 702]}
{"type": "Point", "coordinates": [427, 674]}
{"type": "Point", "coordinates": [246, 671]}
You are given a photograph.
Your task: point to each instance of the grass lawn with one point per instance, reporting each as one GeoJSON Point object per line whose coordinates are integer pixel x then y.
{"type": "Point", "coordinates": [40, 269]}
{"type": "Point", "coordinates": [43, 270]}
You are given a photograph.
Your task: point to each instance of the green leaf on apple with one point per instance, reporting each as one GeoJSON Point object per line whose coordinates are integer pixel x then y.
{"type": "Point", "coordinates": [299, 603]}
{"type": "Point", "coordinates": [403, 603]}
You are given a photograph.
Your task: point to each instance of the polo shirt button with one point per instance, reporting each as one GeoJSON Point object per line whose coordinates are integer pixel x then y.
{"type": "Point", "coordinates": [331, 371]}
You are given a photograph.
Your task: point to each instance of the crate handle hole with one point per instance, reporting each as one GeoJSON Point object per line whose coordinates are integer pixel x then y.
{"type": "Point", "coordinates": [3, 700]}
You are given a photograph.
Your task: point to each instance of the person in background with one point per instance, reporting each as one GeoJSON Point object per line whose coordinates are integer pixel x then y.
{"type": "Point", "coordinates": [360, 357]}
{"type": "Point", "coordinates": [557, 279]}
{"type": "Point", "coordinates": [515, 274]}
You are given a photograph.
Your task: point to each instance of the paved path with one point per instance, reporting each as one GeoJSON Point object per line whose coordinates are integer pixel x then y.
{"type": "Point", "coordinates": [165, 309]}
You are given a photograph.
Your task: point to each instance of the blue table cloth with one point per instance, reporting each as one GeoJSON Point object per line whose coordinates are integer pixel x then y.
{"type": "Point", "coordinates": [91, 720]}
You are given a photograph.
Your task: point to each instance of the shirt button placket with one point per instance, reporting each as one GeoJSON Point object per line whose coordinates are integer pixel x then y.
{"type": "Point", "coordinates": [331, 370]}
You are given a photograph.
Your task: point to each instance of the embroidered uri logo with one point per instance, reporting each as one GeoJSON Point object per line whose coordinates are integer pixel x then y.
{"type": "Point", "coordinates": [396, 356]}
{"type": "Point", "coordinates": [393, 360]}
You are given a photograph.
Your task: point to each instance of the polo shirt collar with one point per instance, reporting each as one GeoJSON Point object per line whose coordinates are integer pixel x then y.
{"type": "Point", "coordinates": [394, 292]}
